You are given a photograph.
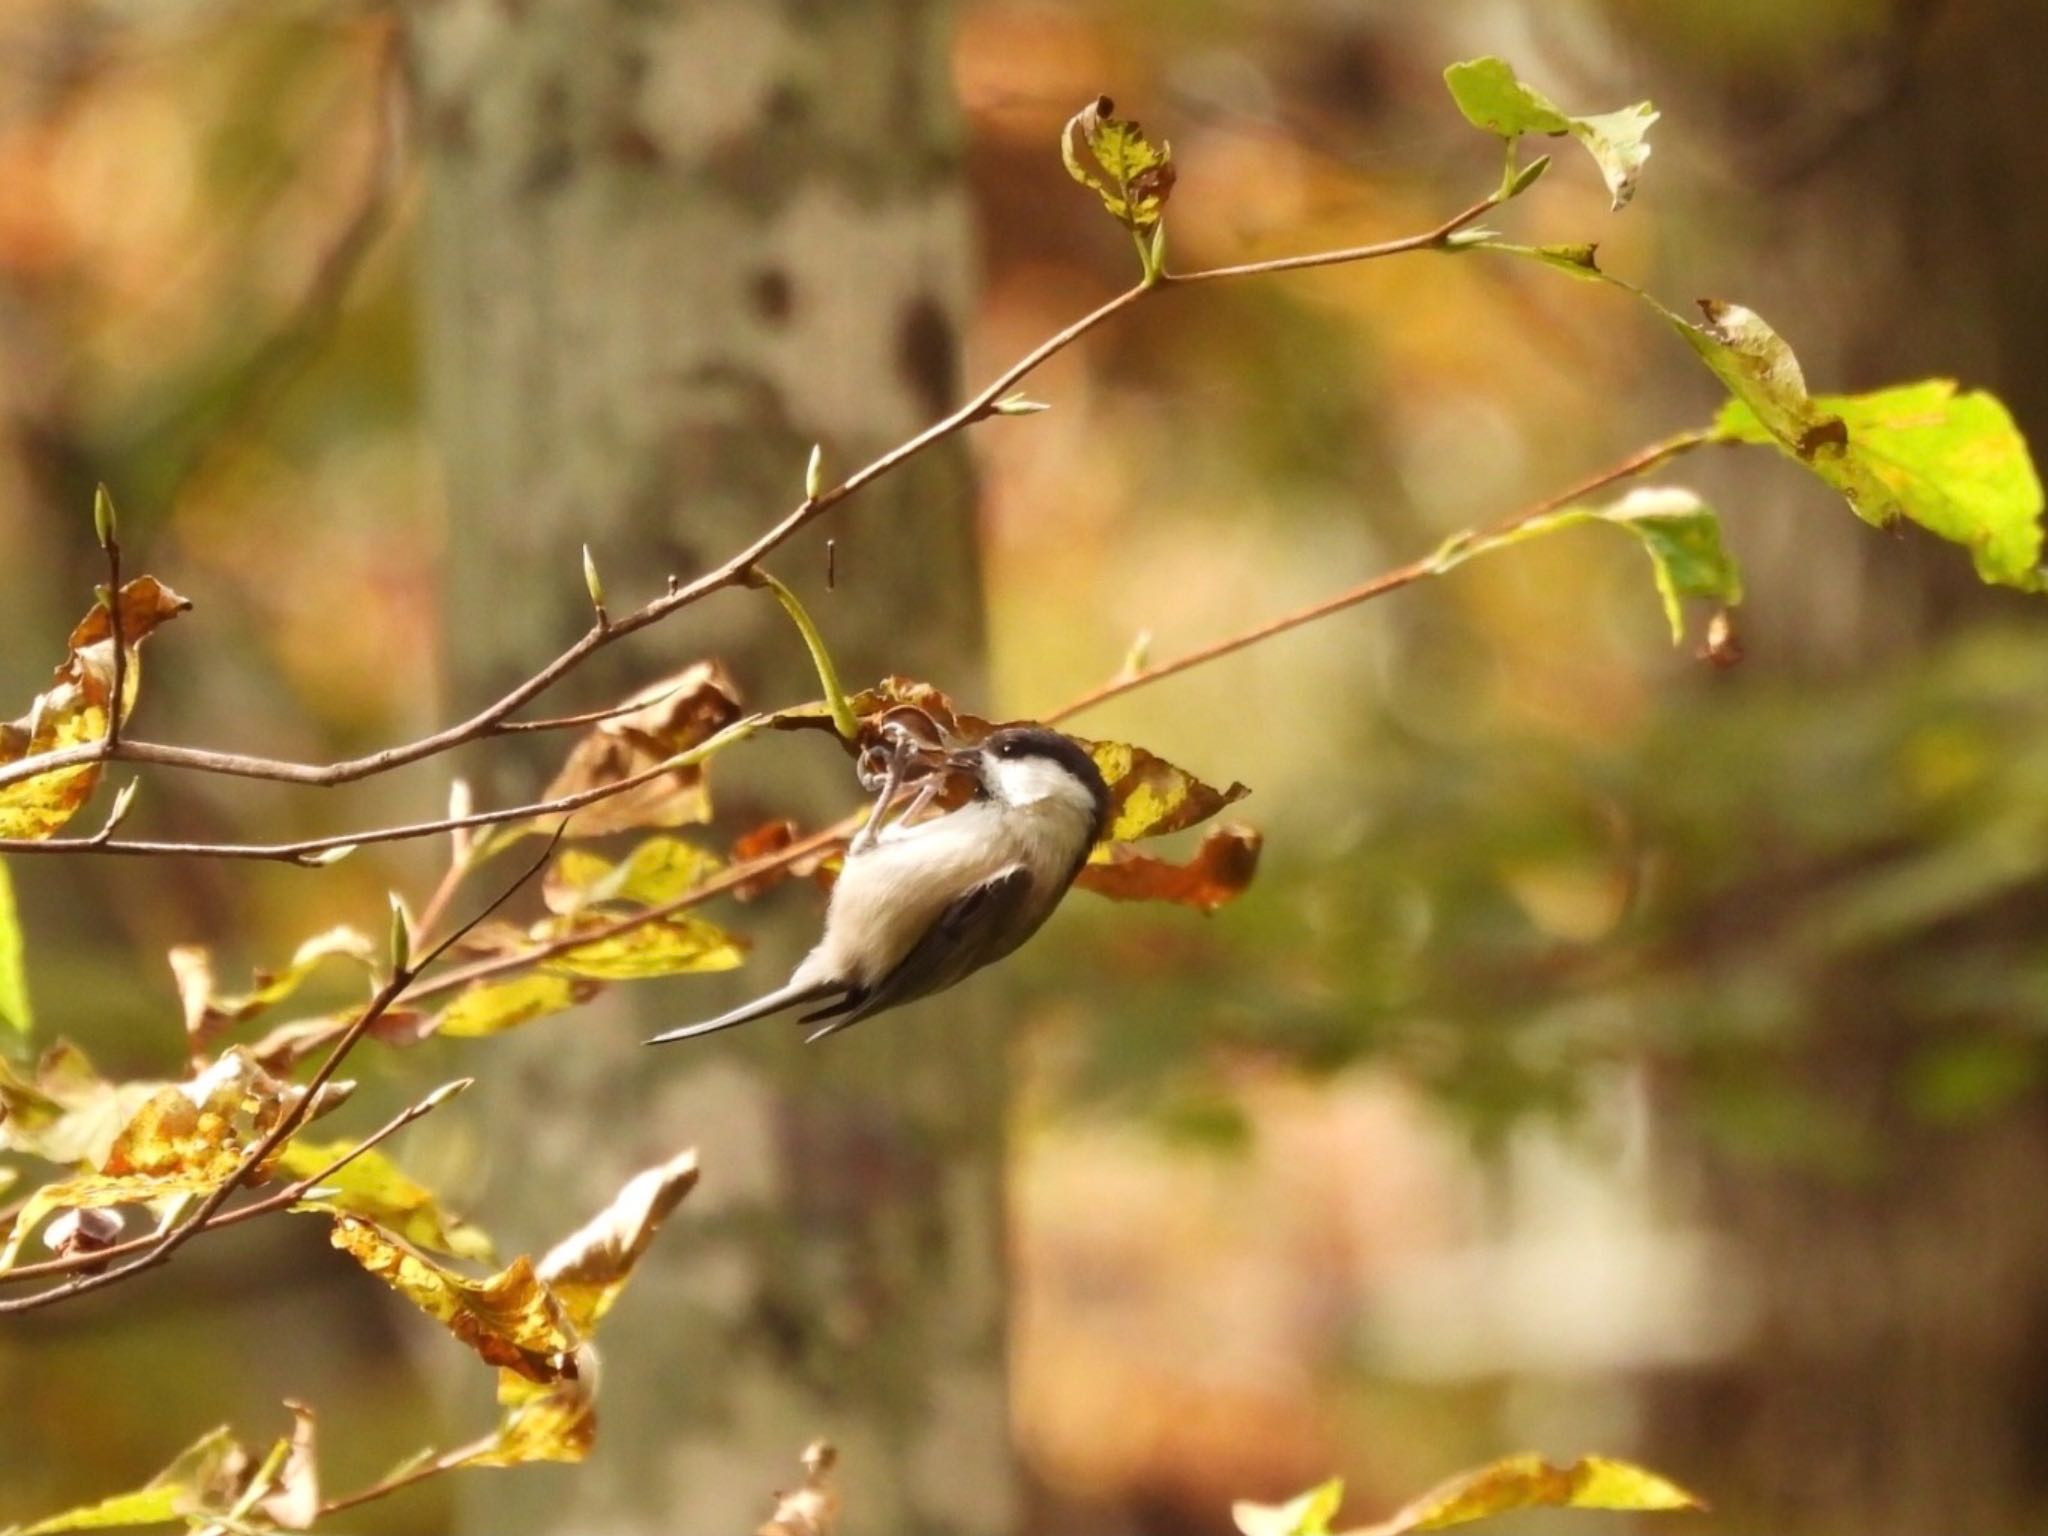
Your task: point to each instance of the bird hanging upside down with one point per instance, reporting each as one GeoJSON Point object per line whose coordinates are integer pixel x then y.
{"type": "Point", "coordinates": [922, 904]}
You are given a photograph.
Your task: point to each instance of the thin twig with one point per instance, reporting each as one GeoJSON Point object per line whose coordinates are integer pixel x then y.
{"type": "Point", "coordinates": [1380, 585]}
{"type": "Point", "coordinates": [309, 850]}
{"type": "Point", "coordinates": [290, 1195]}
{"type": "Point", "coordinates": [494, 718]}
{"type": "Point", "coordinates": [165, 1244]}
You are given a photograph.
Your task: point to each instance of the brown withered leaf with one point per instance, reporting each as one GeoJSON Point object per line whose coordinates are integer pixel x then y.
{"type": "Point", "coordinates": [1220, 871]}
{"type": "Point", "coordinates": [673, 715]}
{"type": "Point", "coordinates": [208, 1012]}
{"type": "Point", "coordinates": [73, 710]}
{"type": "Point", "coordinates": [511, 1319]}
{"type": "Point", "coordinates": [588, 1268]}
{"type": "Point", "coordinates": [771, 837]}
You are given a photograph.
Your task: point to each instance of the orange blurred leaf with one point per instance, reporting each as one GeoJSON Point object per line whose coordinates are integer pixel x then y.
{"type": "Point", "coordinates": [1220, 871]}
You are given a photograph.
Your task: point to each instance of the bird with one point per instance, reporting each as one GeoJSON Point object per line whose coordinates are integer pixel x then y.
{"type": "Point", "coordinates": [922, 904]}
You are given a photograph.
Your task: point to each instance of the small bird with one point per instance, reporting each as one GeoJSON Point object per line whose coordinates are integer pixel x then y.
{"type": "Point", "coordinates": [921, 905]}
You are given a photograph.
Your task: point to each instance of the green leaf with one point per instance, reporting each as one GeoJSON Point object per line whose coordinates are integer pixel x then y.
{"type": "Point", "coordinates": [1953, 463]}
{"type": "Point", "coordinates": [199, 1482]}
{"type": "Point", "coordinates": [492, 1007]}
{"type": "Point", "coordinates": [14, 1006]}
{"type": "Point", "coordinates": [1491, 97]}
{"type": "Point", "coordinates": [1112, 156]}
{"type": "Point", "coordinates": [371, 1184]}
{"type": "Point", "coordinates": [1309, 1514]}
{"type": "Point", "coordinates": [1678, 531]}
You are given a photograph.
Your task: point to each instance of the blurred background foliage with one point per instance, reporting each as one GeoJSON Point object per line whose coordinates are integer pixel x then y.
{"type": "Point", "coordinates": [1615, 1052]}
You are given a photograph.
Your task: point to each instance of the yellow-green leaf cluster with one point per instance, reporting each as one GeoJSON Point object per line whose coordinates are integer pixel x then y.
{"type": "Point", "coordinates": [1112, 157]}
{"type": "Point", "coordinates": [1491, 97]}
{"type": "Point", "coordinates": [371, 1184]}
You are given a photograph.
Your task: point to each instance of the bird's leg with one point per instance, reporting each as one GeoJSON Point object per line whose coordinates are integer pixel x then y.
{"type": "Point", "coordinates": [925, 792]}
{"type": "Point", "coordinates": [891, 783]}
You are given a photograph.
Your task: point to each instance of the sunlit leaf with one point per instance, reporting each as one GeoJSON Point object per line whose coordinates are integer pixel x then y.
{"type": "Point", "coordinates": [1112, 156]}
{"type": "Point", "coordinates": [202, 1481]}
{"type": "Point", "coordinates": [1953, 463]}
{"type": "Point", "coordinates": [208, 1012]}
{"type": "Point", "coordinates": [491, 1007]}
{"type": "Point", "coordinates": [1530, 1482]}
{"type": "Point", "coordinates": [66, 1112]}
{"type": "Point", "coordinates": [1491, 97]}
{"type": "Point", "coordinates": [588, 1268]}
{"type": "Point", "coordinates": [1678, 531]}
{"type": "Point", "coordinates": [14, 1008]}
{"type": "Point", "coordinates": [672, 946]}
{"type": "Point", "coordinates": [557, 1422]}
{"type": "Point", "coordinates": [73, 710]}
{"type": "Point", "coordinates": [1308, 1514]}
{"type": "Point", "coordinates": [511, 1319]}
{"type": "Point", "coordinates": [656, 872]}
{"type": "Point", "coordinates": [1149, 797]}
{"type": "Point", "coordinates": [1220, 871]}
{"type": "Point", "coordinates": [671, 716]}
{"type": "Point", "coordinates": [373, 1185]}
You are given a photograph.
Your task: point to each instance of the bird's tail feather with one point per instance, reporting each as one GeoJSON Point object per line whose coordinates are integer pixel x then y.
{"type": "Point", "coordinates": [791, 996]}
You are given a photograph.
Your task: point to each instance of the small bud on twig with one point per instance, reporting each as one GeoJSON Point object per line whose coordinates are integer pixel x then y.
{"type": "Point", "coordinates": [1018, 405]}
{"type": "Point", "coordinates": [104, 524]}
{"type": "Point", "coordinates": [814, 473]}
{"type": "Point", "coordinates": [594, 583]}
{"type": "Point", "coordinates": [401, 934]}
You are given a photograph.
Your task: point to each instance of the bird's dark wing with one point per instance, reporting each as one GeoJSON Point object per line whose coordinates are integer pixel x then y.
{"type": "Point", "coordinates": [982, 924]}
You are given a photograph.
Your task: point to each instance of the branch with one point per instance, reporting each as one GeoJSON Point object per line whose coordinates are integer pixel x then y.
{"type": "Point", "coordinates": [495, 719]}
{"type": "Point", "coordinates": [1400, 576]}
{"type": "Point", "coordinates": [290, 1195]}
{"type": "Point", "coordinates": [159, 1248]}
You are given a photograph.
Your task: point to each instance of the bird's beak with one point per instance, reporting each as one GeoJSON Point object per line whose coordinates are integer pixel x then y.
{"type": "Point", "coordinates": [967, 760]}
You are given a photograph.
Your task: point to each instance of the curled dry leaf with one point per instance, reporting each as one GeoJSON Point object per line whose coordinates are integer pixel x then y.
{"type": "Point", "coordinates": [511, 1319]}
{"type": "Point", "coordinates": [765, 840]}
{"type": "Point", "coordinates": [1111, 156]}
{"type": "Point", "coordinates": [293, 1500]}
{"type": "Point", "coordinates": [1220, 871]}
{"type": "Point", "coordinates": [813, 1508]}
{"type": "Point", "coordinates": [208, 1012]}
{"type": "Point", "coordinates": [589, 1267]}
{"type": "Point", "coordinates": [672, 716]}
{"type": "Point", "coordinates": [74, 709]}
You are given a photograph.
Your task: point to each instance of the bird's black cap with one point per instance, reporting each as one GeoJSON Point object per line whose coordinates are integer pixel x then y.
{"type": "Point", "coordinates": [1017, 741]}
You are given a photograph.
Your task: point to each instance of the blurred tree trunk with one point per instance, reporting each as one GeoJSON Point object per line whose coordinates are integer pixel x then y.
{"type": "Point", "coordinates": [1897, 1380]}
{"type": "Point", "coordinates": [668, 248]}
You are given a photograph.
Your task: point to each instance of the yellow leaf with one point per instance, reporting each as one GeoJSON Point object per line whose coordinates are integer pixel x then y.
{"type": "Point", "coordinates": [490, 1007]}
{"type": "Point", "coordinates": [512, 1319]}
{"type": "Point", "coordinates": [551, 1423]}
{"type": "Point", "coordinates": [372, 1185]}
{"type": "Point", "coordinates": [1530, 1482]}
{"type": "Point", "coordinates": [73, 710]}
{"type": "Point", "coordinates": [674, 946]}
{"type": "Point", "coordinates": [207, 1012]}
{"type": "Point", "coordinates": [1149, 797]}
{"type": "Point", "coordinates": [67, 1113]}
